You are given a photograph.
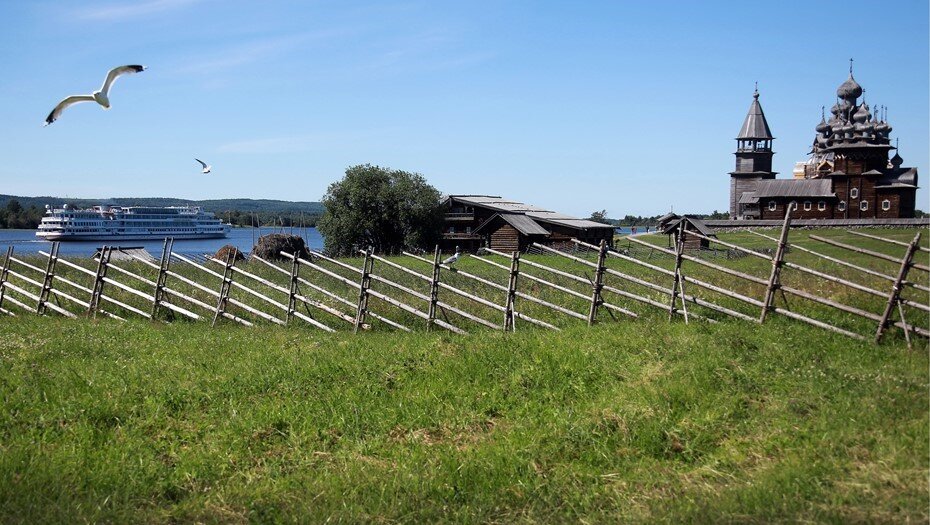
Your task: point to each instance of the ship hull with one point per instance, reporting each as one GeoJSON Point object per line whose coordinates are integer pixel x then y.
{"type": "Point", "coordinates": [52, 236]}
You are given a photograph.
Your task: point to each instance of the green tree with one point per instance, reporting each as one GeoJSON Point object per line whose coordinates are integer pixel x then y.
{"type": "Point", "coordinates": [599, 216]}
{"type": "Point", "coordinates": [382, 208]}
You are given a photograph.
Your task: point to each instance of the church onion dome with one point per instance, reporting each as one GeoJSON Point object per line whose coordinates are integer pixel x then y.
{"type": "Point", "coordinates": [755, 126]}
{"type": "Point", "coordinates": [849, 89]}
{"type": "Point", "coordinates": [823, 127]}
{"type": "Point", "coordinates": [836, 109]}
{"type": "Point", "coordinates": [862, 114]}
{"type": "Point", "coordinates": [896, 161]}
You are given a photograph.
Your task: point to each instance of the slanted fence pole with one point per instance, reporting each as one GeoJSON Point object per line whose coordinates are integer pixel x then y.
{"type": "Point", "coordinates": [224, 287]}
{"type": "Point", "coordinates": [47, 279]}
{"type": "Point", "coordinates": [895, 295]}
{"type": "Point", "coordinates": [159, 294]}
{"type": "Point", "coordinates": [510, 324]}
{"type": "Point", "coordinates": [433, 290]}
{"type": "Point", "coordinates": [362, 311]}
{"type": "Point", "coordinates": [598, 285]}
{"type": "Point", "coordinates": [676, 278]}
{"type": "Point", "coordinates": [4, 273]}
{"type": "Point", "coordinates": [777, 262]}
{"type": "Point", "coordinates": [293, 288]}
{"type": "Point", "coordinates": [102, 262]}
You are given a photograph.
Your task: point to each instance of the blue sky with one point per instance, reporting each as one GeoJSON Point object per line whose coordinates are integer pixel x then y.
{"type": "Point", "coordinates": [577, 106]}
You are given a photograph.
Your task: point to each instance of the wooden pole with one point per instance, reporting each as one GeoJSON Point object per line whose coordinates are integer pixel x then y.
{"type": "Point", "coordinates": [892, 241]}
{"type": "Point", "coordinates": [47, 279]}
{"type": "Point", "coordinates": [509, 324]}
{"type": "Point", "coordinates": [4, 275]}
{"type": "Point", "coordinates": [159, 292]}
{"type": "Point", "coordinates": [433, 290]}
{"type": "Point", "coordinates": [773, 283]}
{"type": "Point", "coordinates": [906, 263]}
{"type": "Point", "coordinates": [676, 278]}
{"type": "Point", "coordinates": [364, 285]}
{"type": "Point", "coordinates": [224, 289]}
{"type": "Point", "coordinates": [877, 255]}
{"type": "Point", "coordinates": [598, 285]}
{"type": "Point", "coordinates": [292, 288]}
{"type": "Point", "coordinates": [99, 276]}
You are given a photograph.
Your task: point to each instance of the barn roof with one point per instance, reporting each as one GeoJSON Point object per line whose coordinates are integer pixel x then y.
{"type": "Point", "coordinates": [696, 224]}
{"type": "Point", "coordinates": [748, 197]}
{"type": "Point", "coordinates": [507, 206]}
{"type": "Point", "coordinates": [794, 188]}
{"type": "Point", "coordinates": [522, 223]}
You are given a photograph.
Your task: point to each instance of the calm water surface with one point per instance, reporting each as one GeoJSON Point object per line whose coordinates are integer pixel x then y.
{"type": "Point", "coordinates": [25, 242]}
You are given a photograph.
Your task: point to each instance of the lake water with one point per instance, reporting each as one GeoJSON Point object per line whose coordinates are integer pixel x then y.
{"type": "Point", "coordinates": [25, 242]}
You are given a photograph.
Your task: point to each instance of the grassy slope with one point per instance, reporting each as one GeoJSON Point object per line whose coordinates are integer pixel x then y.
{"type": "Point", "coordinates": [650, 421]}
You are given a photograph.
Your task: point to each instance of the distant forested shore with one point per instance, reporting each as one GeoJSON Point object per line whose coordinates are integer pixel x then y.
{"type": "Point", "coordinates": [26, 212]}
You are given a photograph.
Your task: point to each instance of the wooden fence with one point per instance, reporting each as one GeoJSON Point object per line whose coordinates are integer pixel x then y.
{"type": "Point", "coordinates": [306, 291]}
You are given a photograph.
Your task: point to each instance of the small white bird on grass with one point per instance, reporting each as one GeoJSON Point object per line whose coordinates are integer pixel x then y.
{"type": "Point", "coordinates": [206, 169]}
{"type": "Point", "coordinates": [451, 260]}
{"type": "Point", "coordinates": [100, 97]}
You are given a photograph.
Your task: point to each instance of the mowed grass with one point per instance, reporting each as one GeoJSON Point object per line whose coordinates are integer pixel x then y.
{"type": "Point", "coordinates": [642, 421]}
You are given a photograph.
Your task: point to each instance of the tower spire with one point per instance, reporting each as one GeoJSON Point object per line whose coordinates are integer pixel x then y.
{"type": "Point", "coordinates": [850, 67]}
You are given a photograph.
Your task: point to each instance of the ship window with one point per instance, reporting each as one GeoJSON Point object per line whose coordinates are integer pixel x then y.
{"type": "Point", "coordinates": [841, 206]}
{"type": "Point", "coordinates": [886, 204]}
{"type": "Point", "coordinates": [772, 205]}
{"type": "Point", "coordinates": [807, 205]}
{"type": "Point", "coordinates": [854, 193]}
{"type": "Point", "coordinates": [864, 205]}
{"type": "Point", "coordinates": [822, 205]}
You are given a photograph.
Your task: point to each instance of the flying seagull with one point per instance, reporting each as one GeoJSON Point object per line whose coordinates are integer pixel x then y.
{"type": "Point", "coordinates": [453, 258]}
{"type": "Point", "coordinates": [206, 169]}
{"type": "Point", "coordinates": [100, 97]}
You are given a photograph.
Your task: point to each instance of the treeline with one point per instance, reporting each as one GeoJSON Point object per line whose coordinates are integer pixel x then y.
{"type": "Point", "coordinates": [26, 212]}
{"type": "Point", "coordinates": [638, 220]}
{"type": "Point", "coordinates": [14, 215]}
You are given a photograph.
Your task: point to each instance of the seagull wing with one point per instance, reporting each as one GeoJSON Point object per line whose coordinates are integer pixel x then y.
{"type": "Point", "coordinates": [73, 99]}
{"type": "Point", "coordinates": [115, 73]}
{"type": "Point", "coordinates": [451, 260]}
{"type": "Point", "coordinates": [202, 163]}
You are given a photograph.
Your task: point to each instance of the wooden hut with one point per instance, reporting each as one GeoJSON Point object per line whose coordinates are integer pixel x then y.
{"type": "Point", "coordinates": [671, 224]}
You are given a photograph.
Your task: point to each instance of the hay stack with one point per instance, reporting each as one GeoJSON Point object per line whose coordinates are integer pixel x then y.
{"type": "Point", "coordinates": [225, 251]}
{"type": "Point", "coordinates": [269, 247]}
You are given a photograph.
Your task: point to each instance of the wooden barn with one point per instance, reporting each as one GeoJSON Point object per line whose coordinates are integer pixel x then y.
{"type": "Point", "coordinates": [670, 225]}
{"type": "Point", "coordinates": [475, 221]}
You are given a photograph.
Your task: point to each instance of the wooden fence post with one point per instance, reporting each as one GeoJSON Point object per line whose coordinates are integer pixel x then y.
{"type": "Point", "coordinates": [509, 321]}
{"type": "Point", "coordinates": [293, 289]}
{"type": "Point", "coordinates": [895, 294]}
{"type": "Point", "coordinates": [598, 285]}
{"type": "Point", "coordinates": [777, 261]}
{"type": "Point", "coordinates": [433, 290]}
{"type": "Point", "coordinates": [159, 294]}
{"type": "Point", "coordinates": [676, 281]}
{"type": "Point", "coordinates": [4, 273]}
{"type": "Point", "coordinates": [362, 311]}
{"type": "Point", "coordinates": [47, 279]}
{"type": "Point", "coordinates": [102, 262]}
{"type": "Point", "coordinates": [224, 287]}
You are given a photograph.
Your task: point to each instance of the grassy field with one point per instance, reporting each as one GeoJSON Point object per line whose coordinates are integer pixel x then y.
{"type": "Point", "coordinates": [646, 421]}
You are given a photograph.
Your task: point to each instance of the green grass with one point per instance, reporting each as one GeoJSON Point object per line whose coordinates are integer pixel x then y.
{"type": "Point", "coordinates": [643, 421]}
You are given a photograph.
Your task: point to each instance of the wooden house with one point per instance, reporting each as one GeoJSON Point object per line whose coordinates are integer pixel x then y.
{"type": "Point", "coordinates": [475, 221]}
{"type": "Point", "coordinates": [671, 224]}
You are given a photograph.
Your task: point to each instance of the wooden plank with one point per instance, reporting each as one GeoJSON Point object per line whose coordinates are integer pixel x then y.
{"type": "Point", "coordinates": [906, 263]}
{"type": "Point", "coordinates": [877, 255]}
{"type": "Point", "coordinates": [819, 324]}
{"type": "Point", "coordinates": [892, 241]}
{"type": "Point", "coordinates": [696, 260]}
{"type": "Point", "coordinates": [70, 264]}
{"type": "Point", "coordinates": [777, 263]}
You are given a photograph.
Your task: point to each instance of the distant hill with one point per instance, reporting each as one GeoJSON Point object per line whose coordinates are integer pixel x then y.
{"type": "Point", "coordinates": [238, 211]}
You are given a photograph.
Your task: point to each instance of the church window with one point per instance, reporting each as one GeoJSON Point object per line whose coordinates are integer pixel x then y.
{"type": "Point", "coordinates": [841, 206]}
{"type": "Point", "coordinates": [772, 205]}
{"type": "Point", "coordinates": [807, 205]}
{"type": "Point", "coordinates": [886, 204]}
{"type": "Point", "coordinates": [854, 193]}
{"type": "Point", "coordinates": [821, 206]}
{"type": "Point", "coordinates": [793, 205]}
{"type": "Point", "coordinates": [864, 205]}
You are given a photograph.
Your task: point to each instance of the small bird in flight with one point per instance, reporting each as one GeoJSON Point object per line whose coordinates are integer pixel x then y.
{"type": "Point", "coordinates": [100, 97]}
{"type": "Point", "coordinates": [206, 169]}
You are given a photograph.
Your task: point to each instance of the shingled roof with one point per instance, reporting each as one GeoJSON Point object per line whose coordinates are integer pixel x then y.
{"type": "Point", "coordinates": [755, 126]}
{"type": "Point", "coordinates": [794, 188]}
{"type": "Point", "coordinates": [506, 206]}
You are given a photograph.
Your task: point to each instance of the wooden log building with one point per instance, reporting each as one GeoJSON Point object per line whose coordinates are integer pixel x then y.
{"type": "Point", "coordinates": [849, 175]}
{"type": "Point", "coordinates": [670, 224]}
{"type": "Point", "coordinates": [475, 221]}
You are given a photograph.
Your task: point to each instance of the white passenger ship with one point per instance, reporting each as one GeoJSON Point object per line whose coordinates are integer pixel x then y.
{"type": "Point", "coordinates": [130, 223]}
